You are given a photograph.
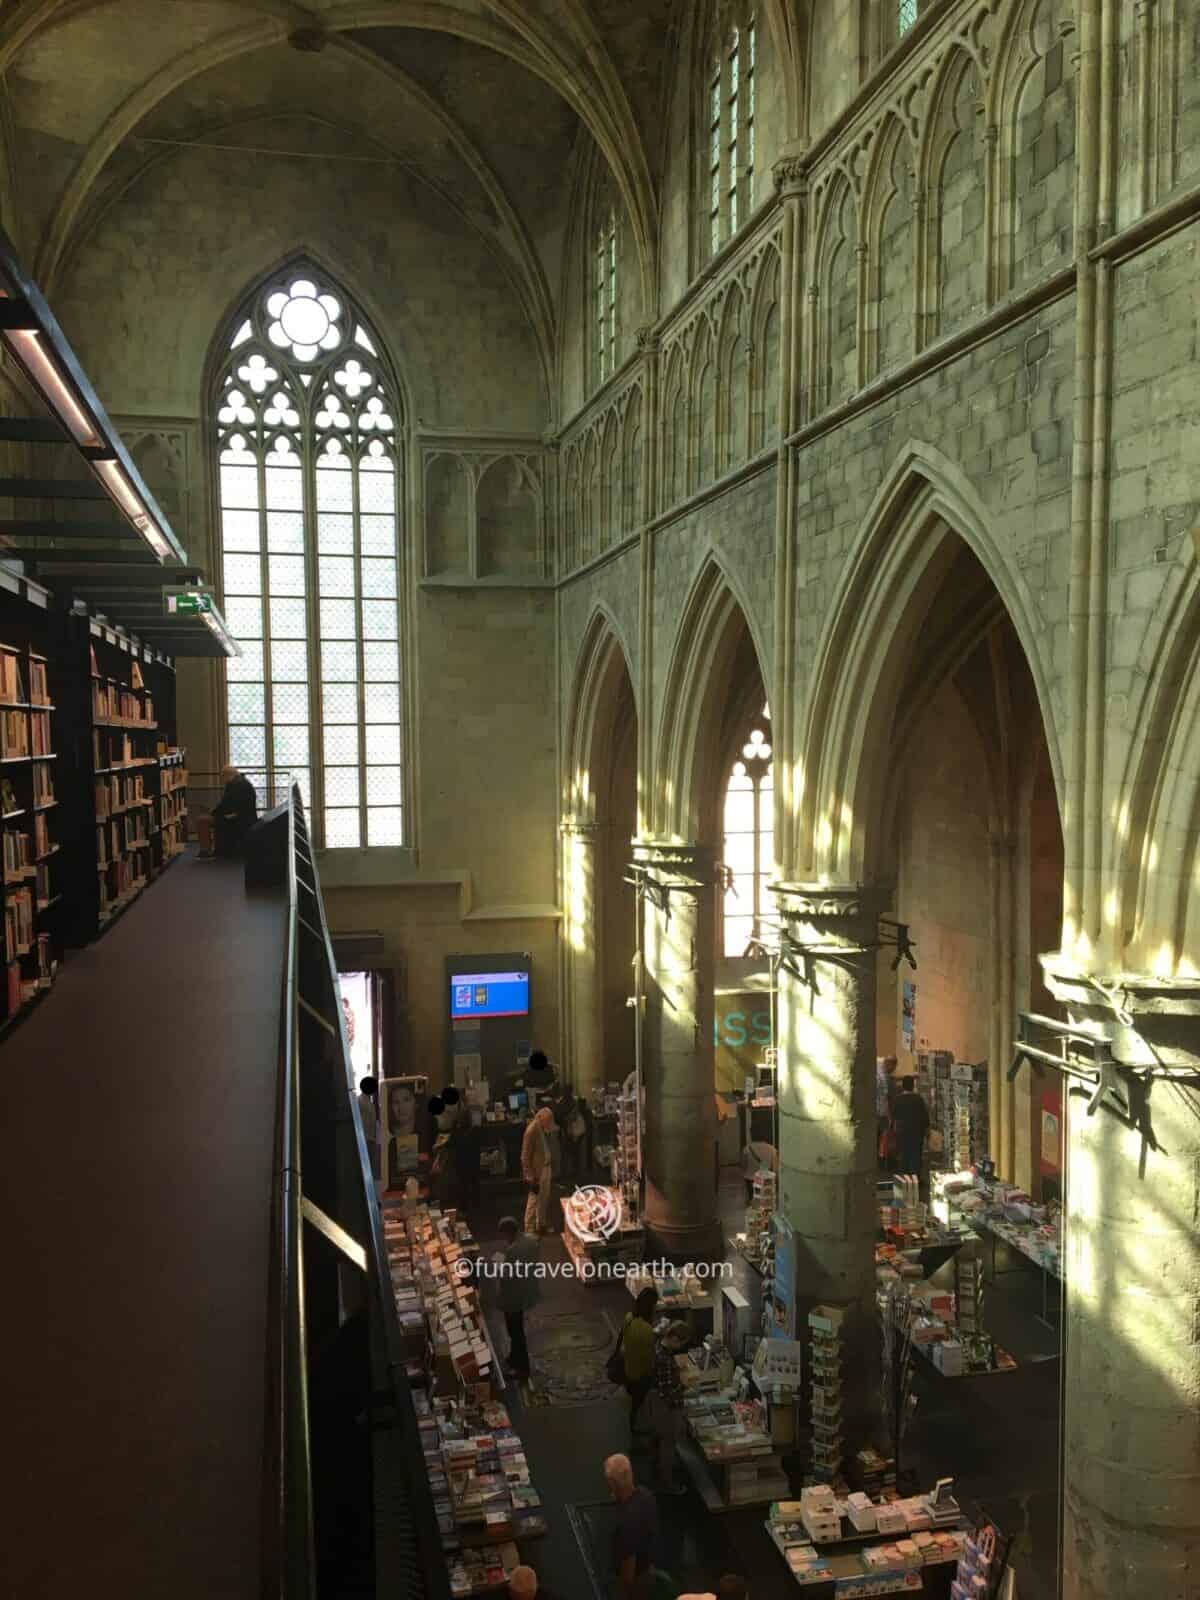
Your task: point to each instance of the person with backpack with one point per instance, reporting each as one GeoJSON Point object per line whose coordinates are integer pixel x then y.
{"type": "Point", "coordinates": [632, 1362]}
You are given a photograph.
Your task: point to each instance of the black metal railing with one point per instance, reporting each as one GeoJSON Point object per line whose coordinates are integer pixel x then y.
{"type": "Point", "coordinates": [347, 1503]}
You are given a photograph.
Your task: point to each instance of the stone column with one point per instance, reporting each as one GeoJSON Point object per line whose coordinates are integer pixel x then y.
{"type": "Point", "coordinates": [677, 1050]}
{"type": "Point", "coordinates": [583, 944]}
{"type": "Point", "coordinates": [1131, 1502]}
{"type": "Point", "coordinates": [828, 1133]}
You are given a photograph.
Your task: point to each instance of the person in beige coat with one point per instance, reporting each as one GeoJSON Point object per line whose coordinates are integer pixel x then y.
{"type": "Point", "coordinates": [536, 1170]}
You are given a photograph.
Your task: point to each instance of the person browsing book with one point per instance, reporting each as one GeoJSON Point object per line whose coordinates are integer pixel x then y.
{"type": "Point", "coordinates": [637, 1352]}
{"type": "Point", "coordinates": [235, 813]}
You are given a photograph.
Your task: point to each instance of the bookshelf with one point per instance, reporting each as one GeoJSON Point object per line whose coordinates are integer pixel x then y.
{"type": "Point", "coordinates": [124, 782]}
{"type": "Point", "coordinates": [138, 781]}
{"type": "Point", "coordinates": [28, 812]}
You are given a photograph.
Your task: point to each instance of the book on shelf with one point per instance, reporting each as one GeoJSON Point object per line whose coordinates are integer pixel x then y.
{"type": "Point", "coordinates": [38, 690]}
{"type": "Point", "coordinates": [43, 785]}
{"type": "Point", "coordinates": [14, 735]}
{"type": "Point", "coordinates": [18, 922]}
{"type": "Point", "coordinates": [18, 855]}
{"type": "Point", "coordinates": [40, 723]}
{"type": "Point", "coordinates": [12, 677]}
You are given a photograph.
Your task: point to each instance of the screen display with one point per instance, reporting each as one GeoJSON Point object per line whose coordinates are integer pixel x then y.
{"type": "Point", "coordinates": [489, 994]}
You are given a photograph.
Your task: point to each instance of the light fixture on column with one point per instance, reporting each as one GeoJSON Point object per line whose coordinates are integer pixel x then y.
{"type": "Point", "coordinates": [32, 336]}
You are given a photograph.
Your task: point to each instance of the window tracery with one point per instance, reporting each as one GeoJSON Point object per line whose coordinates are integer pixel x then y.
{"type": "Point", "coordinates": [748, 851]}
{"type": "Point", "coordinates": [308, 471]}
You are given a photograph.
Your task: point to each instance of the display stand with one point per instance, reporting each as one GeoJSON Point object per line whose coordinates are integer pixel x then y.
{"type": "Point", "coordinates": [825, 1334]}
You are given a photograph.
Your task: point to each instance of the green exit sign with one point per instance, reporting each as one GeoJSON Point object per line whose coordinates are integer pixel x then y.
{"type": "Point", "coordinates": [186, 602]}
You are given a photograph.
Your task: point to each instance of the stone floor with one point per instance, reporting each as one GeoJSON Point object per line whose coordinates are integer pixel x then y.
{"type": "Point", "coordinates": [997, 1436]}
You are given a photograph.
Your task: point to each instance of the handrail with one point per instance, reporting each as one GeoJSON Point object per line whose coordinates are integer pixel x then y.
{"type": "Point", "coordinates": [289, 1571]}
{"type": "Point", "coordinates": [318, 1122]}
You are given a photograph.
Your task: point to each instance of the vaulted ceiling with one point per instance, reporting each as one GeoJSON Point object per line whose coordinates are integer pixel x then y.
{"type": "Point", "coordinates": [489, 102]}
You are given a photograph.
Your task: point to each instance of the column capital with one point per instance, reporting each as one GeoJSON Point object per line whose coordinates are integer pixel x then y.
{"type": "Point", "coordinates": [576, 828]}
{"type": "Point", "coordinates": [791, 176]}
{"type": "Point", "coordinates": [683, 865]}
{"type": "Point", "coordinates": [826, 902]}
{"type": "Point", "coordinates": [646, 338]}
{"type": "Point", "coordinates": [1137, 994]}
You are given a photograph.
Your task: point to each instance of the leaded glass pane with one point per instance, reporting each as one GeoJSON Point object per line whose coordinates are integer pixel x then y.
{"type": "Point", "coordinates": [301, 776]}
{"type": "Point", "coordinates": [384, 825]}
{"type": "Point", "coordinates": [289, 661]}
{"type": "Point", "coordinates": [289, 619]}
{"type": "Point", "coordinates": [378, 580]}
{"type": "Point", "coordinates": [376, 491]}
{"type": "Point", "coordinates": [335, 492]}
{"type": "Point", "coordinates": [383, 744]}
{"type": "Point", "coordinates": [286, 575]}
{"type": "Point", "coordinates": [339, 702]}
{"type": "Point", "coordinates": [335, 533]}
{"type": "Point", "coordinates": [342, 829]}
{"type": "Point", "coordinates": [308, 430]}
{"type": "Point", "coordinates": [244, 618]}
{"type": "Point", "coordinates": [341, 744]}
{"type": "Point", "coordinates": [239, 485]}
{"type": "Point", "coordinates": [337, 619]}
{"type": "Point", "coordinates": [285, 532]}
{"type": "Point", "coordinates": [383, 702]}
{"type": "Point", "coordinates": [247, 702]}
{"type": "Point", "coordinates": [339, 661]}
{"type": "Point", "coordinates": [240, 529]}
{"type": "Point", "coordinates": [907, 15]}
{"type": "Point", "coordinates": [285, 487]}
{"type": "Point", "coordinates": [383, 786]}
{"type": "Point", "coordinates": [379, 619]}
{"type": "Point", "coordinates": [247, 746]}
{"type": "Point", "coordinates": [289, 702]}
{"type": "Point", "coordinates": [291, 747]}
{"type": "Point", "coordinates": [378, 537]}
{"type": "Point", "coordinates": [336, 576]}
{"type": "Point", "coordinates": [248, 667]}
{"type": "Point", "coordinates": [342, 785]}
{"type": "Point", "coordinates": [243, 575]}
{"type": "Point", "coordinates": [381, 663]}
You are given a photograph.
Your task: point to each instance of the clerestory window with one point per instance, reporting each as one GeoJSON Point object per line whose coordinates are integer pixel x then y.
{"type": "Point", "coordinates": [730, 128]}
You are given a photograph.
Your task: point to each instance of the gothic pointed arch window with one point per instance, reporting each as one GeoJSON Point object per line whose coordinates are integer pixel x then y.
{"type": "Point", "coordinates": [749, 823]}
{"type": "Point", "coordinates": [730, 102]}
{"type": "Point", "coordinates": [307, 426]}
{"type": "Point", "coordinates": [906, 15]}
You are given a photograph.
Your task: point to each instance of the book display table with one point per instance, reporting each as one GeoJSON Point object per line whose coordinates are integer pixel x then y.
{"type": "Point", "coordinates": [485, 1503]}
{"type": "Point", "coordinates": [839, 1547]}
{"type": "Point", "coordinates": [729, 1455]}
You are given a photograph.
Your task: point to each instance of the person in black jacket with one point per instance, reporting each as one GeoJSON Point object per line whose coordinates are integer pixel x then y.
{"type": "Point", "coordinates": [235, 814]}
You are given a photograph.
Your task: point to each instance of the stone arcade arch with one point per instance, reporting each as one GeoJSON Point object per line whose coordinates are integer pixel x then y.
{"type": "Point", "coordinates": [599, 821]}
{"type": "Point", "coordinates": [716, 645]}
{"type": "Point", "coordinates": [928, 606]}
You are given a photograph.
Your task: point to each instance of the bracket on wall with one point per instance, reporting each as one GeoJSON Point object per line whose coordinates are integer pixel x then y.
{"type": "Point", "coordinates": [1088, 1060]}
{"type": "Point", "coordinates": [787, 950]}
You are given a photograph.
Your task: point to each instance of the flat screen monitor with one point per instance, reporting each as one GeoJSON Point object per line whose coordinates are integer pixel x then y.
{"type": "Point", "coordinates": [489, 994]}
{"type": "Point", "coordinates": [514, 1102]}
